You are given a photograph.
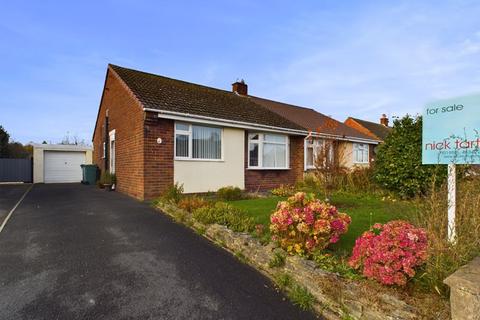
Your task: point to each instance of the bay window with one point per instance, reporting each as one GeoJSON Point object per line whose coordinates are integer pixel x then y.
{"type": "Point", "coordinates": [267, 151]}
{"type": "Point", "coordinates": [197, 142]}
{"type": "Point", "coordinates": [360, 153]}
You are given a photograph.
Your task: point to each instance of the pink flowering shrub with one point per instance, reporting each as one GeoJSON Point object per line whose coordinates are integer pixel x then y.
{"type": "Point", "coordinates": [390, 252]}
{"type": "Point", "coordinates": [303, 224]}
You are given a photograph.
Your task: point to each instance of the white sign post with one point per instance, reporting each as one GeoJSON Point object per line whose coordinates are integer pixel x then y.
{"type": "Point", "coordinates": [451, 135]}
{"type": "Point", "coordinates": [452, 205]}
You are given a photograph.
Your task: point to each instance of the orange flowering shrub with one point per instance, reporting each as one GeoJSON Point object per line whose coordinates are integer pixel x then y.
{"type": "Point", "coordinates": [191, 203]}
{"type": "Point", "coordinates": [303, 224]}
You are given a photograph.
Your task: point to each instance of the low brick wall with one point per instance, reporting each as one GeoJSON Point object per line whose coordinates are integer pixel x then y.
{"type": "Point", "coordinates": [465, 291]}
{"type": "Point", "coordinates": [336, 296]}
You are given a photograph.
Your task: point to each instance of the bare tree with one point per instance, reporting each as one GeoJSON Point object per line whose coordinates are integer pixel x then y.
{"type": "Point", "coordinates": [330, 166]}
{"type": "Point", "coordinates": [73, 140]}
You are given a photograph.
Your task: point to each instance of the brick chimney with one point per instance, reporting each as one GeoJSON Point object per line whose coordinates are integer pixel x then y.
{"type": "Point", "coordinates": [384, 120]}
{"type": "Point", "coordinates": [240, 87]}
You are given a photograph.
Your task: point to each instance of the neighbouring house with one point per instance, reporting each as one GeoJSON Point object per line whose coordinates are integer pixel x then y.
{"type": "Point", "coordinates": [374, 130]}
{"type": "Point", "coordinates": [355, 149]}
{"type": "Point", "coordinates": [153, 131]}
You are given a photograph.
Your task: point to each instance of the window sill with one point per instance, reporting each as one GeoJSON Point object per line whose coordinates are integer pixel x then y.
{"type": "Point", "coordinates": [256, 168]}
{"type": "Point", "coordinates": [199, 160]}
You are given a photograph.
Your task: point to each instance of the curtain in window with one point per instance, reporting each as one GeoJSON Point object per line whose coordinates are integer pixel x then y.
{"type": "Point", "coordinates": [253, 149]}
{"type": "Point", "coordinates": [274, 155]}
{"type": "Point", "coordinates": [280, 156]}
{"type": "Point", "coordinates": [310, 155]}
{"type": "Point", "coordinates": [361, 153]}
{"type": "Point", "coordinates": [181, 143]}
{"type": "Point", "coordinates": [268, 155]}
{"type": "Point", "coordinates": [206, 143]}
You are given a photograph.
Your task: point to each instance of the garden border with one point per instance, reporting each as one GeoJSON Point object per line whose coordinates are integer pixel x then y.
{"type": "Point", "coordinates": [336, 297]}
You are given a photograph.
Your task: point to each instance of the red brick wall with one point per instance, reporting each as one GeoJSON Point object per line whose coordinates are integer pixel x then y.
{"type": "Point", "coordinates": [126, 117]}
{"type": "Point", "coordinates": [143, 167]}
{"type": "Point", "coordinates": [269, 179]}
{"type": "Point", "coordinates": [158, 157]}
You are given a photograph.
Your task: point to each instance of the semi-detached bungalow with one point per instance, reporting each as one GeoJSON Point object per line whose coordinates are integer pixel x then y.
{"type": "Point", "coordinates": [153, 131]}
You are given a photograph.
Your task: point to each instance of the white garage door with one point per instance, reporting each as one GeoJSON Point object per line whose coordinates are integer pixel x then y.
{"type": "Point", "coordinates": [63, 166]}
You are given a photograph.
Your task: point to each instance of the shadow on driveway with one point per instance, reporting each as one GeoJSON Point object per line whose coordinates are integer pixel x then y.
{"type": "Point", "coordinates": [77, 252]}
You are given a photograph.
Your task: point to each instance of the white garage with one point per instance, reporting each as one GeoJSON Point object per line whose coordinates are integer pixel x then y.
{"type": "Point", "coordinates": [59, 163]}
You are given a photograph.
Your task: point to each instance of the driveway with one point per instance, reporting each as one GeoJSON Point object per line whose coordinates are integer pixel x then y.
{"type": "Point", "coordinates": [9, 196]}
{"type": "Point", "coordinates": [77, 252]}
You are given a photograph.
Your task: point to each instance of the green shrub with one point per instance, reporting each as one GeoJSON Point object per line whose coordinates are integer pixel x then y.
{"type": "Point", "coordinates": [359, 180]}
{"type": "Point", "coordinates": [192, 203]}
{"type": "Point", "coordinates": [278, 260]}
{"type": "Point", "coordinates": [283, 191]}
{"type": "Point", "coordinates": [180, 216]}
{"type": "Point", "coordinates": [229, 193]}
{"type": "Point", "coordinates": [262, 234]}
{"type": "Point", "coordinates": [309, 184]}
{"type": "Point", "coordinates": [173, 194]}
{"type": "Point", "coordinates": [335, 264]}
{"type": "Point", "coordinates": [325, 181]}
{"type": "Point", "coordinates": [241, 257]}
{"type": "Point", "coordinates": [301, 297]}
{"type": "Point", "coordinates": [227, 215]}
{"type": "Point", "coordinates": [283, 280]}
{"type": "Point", "coordinates": [398, 166]}
{"type": "Point", "coordinates": [107, 178]}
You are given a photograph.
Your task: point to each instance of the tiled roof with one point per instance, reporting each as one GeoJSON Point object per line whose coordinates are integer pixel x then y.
{"type": "Point", "coordinates": [171, 95]}
{"type": "Point", "coordinates": [377, 129]}
{"type": "Point", "coordinates": [310, 119]}
{"type": "Point", "coordinates": [162, 93]}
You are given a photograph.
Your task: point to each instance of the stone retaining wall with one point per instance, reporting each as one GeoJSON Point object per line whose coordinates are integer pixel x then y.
{"type": "Point", "coordinates": [336, 296]}
{"type": "Point", "coordinates": [465, 291]}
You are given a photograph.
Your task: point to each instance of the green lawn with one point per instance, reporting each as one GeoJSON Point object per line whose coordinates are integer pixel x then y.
{"type": "Point", "coordinates": [364, 210]}
{"type": "Point", "coordinates": [258, 208]}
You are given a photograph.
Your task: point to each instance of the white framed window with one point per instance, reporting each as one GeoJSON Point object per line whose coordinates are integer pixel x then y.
{"type": "Point", "coordinates": [196, 142]}
{"type": "Point", "coordinates": [312, 149]}
{"type": "Point", "coordinates": [360, 153]}
{"type": "Point", "coordinates": [315, 148]}
{"type": "Point", "coordinates": [268, 151]}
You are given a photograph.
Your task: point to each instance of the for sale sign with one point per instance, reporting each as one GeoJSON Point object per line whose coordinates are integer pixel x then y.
{"type": "Point", "coordinates": [451, 131]}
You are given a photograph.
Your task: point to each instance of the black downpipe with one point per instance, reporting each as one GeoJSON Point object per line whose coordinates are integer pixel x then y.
{"type": "Point", "coordinates": [107, 142]}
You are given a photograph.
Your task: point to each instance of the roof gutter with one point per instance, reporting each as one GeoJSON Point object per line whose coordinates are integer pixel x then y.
{"type": "Point", "coordinates": [247, 125]}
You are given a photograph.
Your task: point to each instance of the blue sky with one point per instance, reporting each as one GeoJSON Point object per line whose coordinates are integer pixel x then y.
{"type": "Point", "coordinates": [343, 58]}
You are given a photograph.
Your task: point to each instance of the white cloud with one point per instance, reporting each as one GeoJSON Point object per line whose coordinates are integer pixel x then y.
{"type": "Point", "coordinates": [384, 59]}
